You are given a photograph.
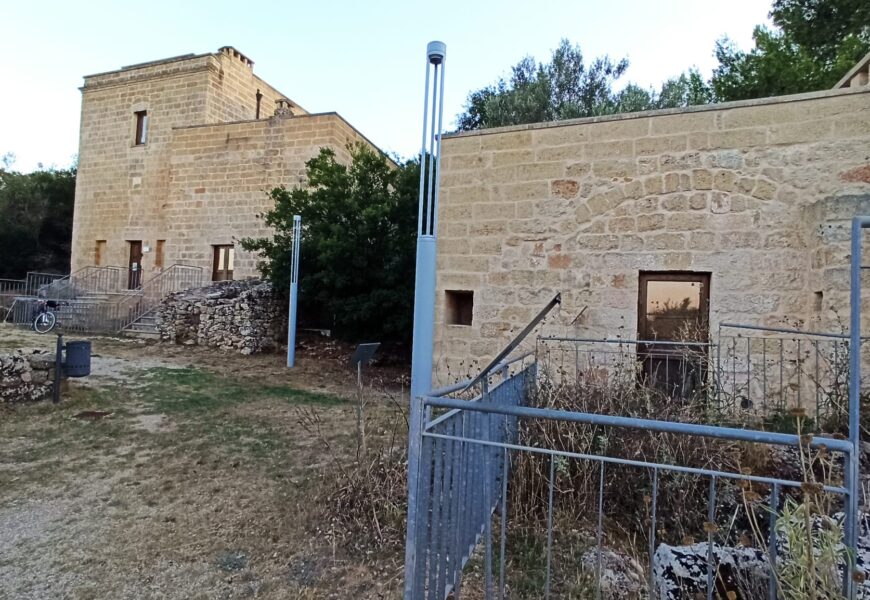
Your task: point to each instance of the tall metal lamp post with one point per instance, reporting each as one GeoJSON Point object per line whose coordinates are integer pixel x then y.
{"type": "Point", "coordinates": [424, 287]}
{"type": "Point", "coordinates": [294, 291]}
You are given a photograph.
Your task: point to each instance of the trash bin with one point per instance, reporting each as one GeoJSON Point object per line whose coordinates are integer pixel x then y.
{"type": "Point", "coordinates": [78, 359]}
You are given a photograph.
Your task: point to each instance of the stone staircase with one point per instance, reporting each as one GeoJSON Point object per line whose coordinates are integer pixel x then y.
{"type": "Point", "coordinates": [145, 326]}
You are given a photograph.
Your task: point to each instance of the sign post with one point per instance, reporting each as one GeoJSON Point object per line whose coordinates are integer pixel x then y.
{"type": "Point", "coordinates": [294, 292]}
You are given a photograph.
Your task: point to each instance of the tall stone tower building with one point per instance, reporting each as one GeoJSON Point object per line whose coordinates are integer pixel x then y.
{"type": "Point", "coordinates": [176, 157]}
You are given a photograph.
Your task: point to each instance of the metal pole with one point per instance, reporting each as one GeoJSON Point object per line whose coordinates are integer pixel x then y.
{"type": "Point", "coordinates": [853, 475]}
{"type": "Point", "coordinates": [424, 305]}
{"type": "Point", "coordinates": [58, 367]}
{"type": "Point", "coordinates": [294, 292]}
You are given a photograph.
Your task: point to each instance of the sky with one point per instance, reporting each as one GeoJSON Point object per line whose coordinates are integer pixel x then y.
{"type": "Point", "coordinates": [363, 59]}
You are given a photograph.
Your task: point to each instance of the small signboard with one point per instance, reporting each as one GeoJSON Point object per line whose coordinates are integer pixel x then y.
{"type": "Point", "coordinates": [364, 353]}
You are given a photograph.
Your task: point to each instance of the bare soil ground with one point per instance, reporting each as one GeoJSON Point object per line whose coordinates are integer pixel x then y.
{"type": "Point", "coordinates": [184, 472]}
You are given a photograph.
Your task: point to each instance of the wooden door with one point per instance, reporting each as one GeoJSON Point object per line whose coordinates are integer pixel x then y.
{"type": "Point", "coordinates": [134, 269]}
{"type": "Point", "coordinates": [673, 316]}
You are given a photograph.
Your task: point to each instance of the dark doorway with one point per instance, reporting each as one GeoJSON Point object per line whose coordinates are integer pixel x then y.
{"type": "Point", "coordinates": [673, 310]}
{"type": "Point", "coordinates": [222, 268]}
{"type": "Point", "coordinates": [134, 269]}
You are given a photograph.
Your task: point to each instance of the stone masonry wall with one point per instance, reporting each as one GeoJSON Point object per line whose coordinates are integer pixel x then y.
{"type": "Point", "coordinates": [757, 193]}
{"type": "Point", "coordinates": [221, 175]}
{"type": "Point", "coordinates": [244, 316]}
{"type": "Point", "coordinates": [25, 376]}
{"type": "Point", "coordinates": [123, 190]}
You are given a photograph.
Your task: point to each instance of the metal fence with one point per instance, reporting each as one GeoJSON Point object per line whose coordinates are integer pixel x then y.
{"type": "Point", "coordinates": [745, 373]}
{"type": "Point", "coordinates": [92, 300]}
{"type": "Point", "coordinates": [472, 450]}
{"type": "Point", "coordinates": [526, 488]}
{"type": "Point", "coordinates": [462, 485]}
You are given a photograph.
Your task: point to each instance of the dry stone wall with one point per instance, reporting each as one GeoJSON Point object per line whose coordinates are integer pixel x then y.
{"type": "Point", "coordinates": [243, 316]}
{"type": "Point", "coordinates": [758, 194]}
{"type": "Point", "coordinates": [26, 376]}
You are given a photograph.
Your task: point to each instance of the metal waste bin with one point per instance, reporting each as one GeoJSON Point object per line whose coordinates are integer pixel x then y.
{"type": "Point", "coordinates": [78, 359]}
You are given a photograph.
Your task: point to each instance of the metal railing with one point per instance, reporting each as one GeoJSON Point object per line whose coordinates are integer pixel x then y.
{"type": "Point", "coordinates": [93, 300]}
{"type": "Point", "coordinates": [461, 486]}
{"type": "Point", "coordinates": [746, 374]}
{"type": "Point", "coordinates": [471, 449]}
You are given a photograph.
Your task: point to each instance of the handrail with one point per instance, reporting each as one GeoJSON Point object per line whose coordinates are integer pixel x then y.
{"type": "Point", "coordinates": [148, 295]}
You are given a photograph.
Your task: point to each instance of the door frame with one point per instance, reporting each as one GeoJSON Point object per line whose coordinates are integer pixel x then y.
{"type": "Point", "coordinates": [649, 353]}
{"type": "Point", "coordinates": [134, 267]}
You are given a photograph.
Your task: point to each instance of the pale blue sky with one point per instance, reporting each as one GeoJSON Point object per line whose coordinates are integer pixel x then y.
{"type": "Point", "coordinates": [362, 59]}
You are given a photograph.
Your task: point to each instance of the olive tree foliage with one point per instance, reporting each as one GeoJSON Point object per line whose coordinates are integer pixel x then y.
{"type": "Point", "coordinates": [566, 87]}
{"type": "Point", "coordinates": [36, 211]}
{"type": "Point", "coordinates": [812, 45]}
{"type": "Point", "coordinates": [359, 223]}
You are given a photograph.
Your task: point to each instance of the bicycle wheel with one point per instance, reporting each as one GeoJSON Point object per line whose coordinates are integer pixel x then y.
{"type": "Point", "coordinates": [44, 322]}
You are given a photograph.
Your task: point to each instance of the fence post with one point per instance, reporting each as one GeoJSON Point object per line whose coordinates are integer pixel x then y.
{"type": "Point", "coordinates": [853, 475]}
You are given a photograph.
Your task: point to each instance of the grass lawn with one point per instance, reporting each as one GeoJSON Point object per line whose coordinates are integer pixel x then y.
{"type": "Point", "coordinates": [184, 481]}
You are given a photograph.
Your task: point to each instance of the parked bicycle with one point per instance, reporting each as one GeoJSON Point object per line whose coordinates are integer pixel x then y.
{"type": "Point", "coordinates": [45, 319]}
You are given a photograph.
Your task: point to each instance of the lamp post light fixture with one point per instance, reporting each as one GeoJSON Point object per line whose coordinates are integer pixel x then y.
{"type": "Point", "coordinates": [424, 285]}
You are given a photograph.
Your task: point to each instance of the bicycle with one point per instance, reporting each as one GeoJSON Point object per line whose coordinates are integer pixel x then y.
{"type": "Point", "coordinates": [45, 319]}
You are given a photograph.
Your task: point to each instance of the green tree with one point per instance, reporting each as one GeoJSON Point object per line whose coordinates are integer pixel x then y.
{"type": "Point", "coordinates": [813, 45]}
{"type": "Point", "coordinates": [357, 249]}
{"type": "Point", "coordinates": [567, 87]}
{"type": "Point", "coordinates": [36, 212]}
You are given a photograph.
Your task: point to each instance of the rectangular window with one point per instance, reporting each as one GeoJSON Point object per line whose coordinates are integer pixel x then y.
{"type": "Point", "coordinates": [224, 257]}
{"type": "Point", "coordinates": [99, 252]}
{"type": "Point", "coordinates": [674, 310]}
{"type": "Point", "coordinates": [459, 305]}
{"type": "Point", "coordinates": [141, 127]}
{"type": "Point", "coordinates": [158, 254]}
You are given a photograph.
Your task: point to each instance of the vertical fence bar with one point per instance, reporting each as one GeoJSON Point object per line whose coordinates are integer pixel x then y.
{"type": "Point", "coordinates": [600, 532]}
{"type": "Point", "coordinates": [771, 545]}
{"type": "Point", "coordinates": [764, 374]}
{"type": "Point", "coordinates": [503, 524]}
{"type": "Point", "coordinates": [436, 504]}
{"type": "Point", "coordinates": [550, 526]}
{"type": "Point", "coordinates": [652, 530]}
{"type": "Point", "coordinates": [797, 364]}
{"type": "Point", "coordinates": [781, 376]}
{"type": "Point", "coordinates": [853, 474]}
{"type": "Point", "coordinates": [711, 519]}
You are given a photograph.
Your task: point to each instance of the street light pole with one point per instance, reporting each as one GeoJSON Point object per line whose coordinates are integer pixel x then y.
{"type": "Point", "coordinates": [424, 291]}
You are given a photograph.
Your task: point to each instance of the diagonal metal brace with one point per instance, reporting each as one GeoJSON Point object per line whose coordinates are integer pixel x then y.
{"type": "Point", "coordinates": [557, 299]}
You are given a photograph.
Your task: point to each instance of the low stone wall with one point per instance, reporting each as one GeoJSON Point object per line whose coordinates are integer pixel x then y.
{"type": "Point", "coordinates": [245, 316]}
{"type": "Point", "coordinates": [26, 376]}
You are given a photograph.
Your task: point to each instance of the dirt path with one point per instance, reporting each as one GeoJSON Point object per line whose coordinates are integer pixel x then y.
{"type": "Point", "coordinates": [178, 472]}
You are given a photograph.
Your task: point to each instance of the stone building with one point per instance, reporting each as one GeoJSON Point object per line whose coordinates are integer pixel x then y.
{"type": "Point", "coordinates": [741, 207]}
{"type": "Point", "coordinates": [176, 157]}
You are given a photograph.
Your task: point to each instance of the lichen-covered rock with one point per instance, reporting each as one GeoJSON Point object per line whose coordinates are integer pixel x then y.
{"type": "Point", "coordinates": [25, 376]}
{"type": "Point", "coordinates": [243, 316]}
{"type": "Point", "coordinates": [680, 572]}
{"type": "Point", "coordinates": [621, 575]}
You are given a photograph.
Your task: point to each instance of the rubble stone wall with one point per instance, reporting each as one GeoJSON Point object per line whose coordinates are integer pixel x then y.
{"type": "Point", "coordinates": [244, 316]}
{"type": "Point", "coordinates": [25, 376]}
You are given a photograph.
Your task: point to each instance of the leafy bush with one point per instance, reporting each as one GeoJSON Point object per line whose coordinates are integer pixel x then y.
{"type": "Point", "coordinates": [357, 249]}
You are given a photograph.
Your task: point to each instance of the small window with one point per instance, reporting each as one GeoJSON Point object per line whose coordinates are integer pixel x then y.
{"type": "Point", "coordinates": [158, 254]}
{"type": "Point", "coordinates": [141, 127]}
{"type": "Point", "coordinates": [224, 257]}
{"type": "Point", "coordinates": [99, 252]}
{"type": "Point", "coordinates": [460, 307]}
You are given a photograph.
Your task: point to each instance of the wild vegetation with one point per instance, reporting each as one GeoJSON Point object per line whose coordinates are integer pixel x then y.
{"type": "Point", "coordinates": [811, 45]}
{"type": "Point", "coordinates": [357, 250]}
{"type": "Point", "coordinates": [35, 219]}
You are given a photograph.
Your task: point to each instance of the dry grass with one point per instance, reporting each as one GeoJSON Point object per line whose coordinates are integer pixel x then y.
{"type": "Point", "coordinates": [198, 484]}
